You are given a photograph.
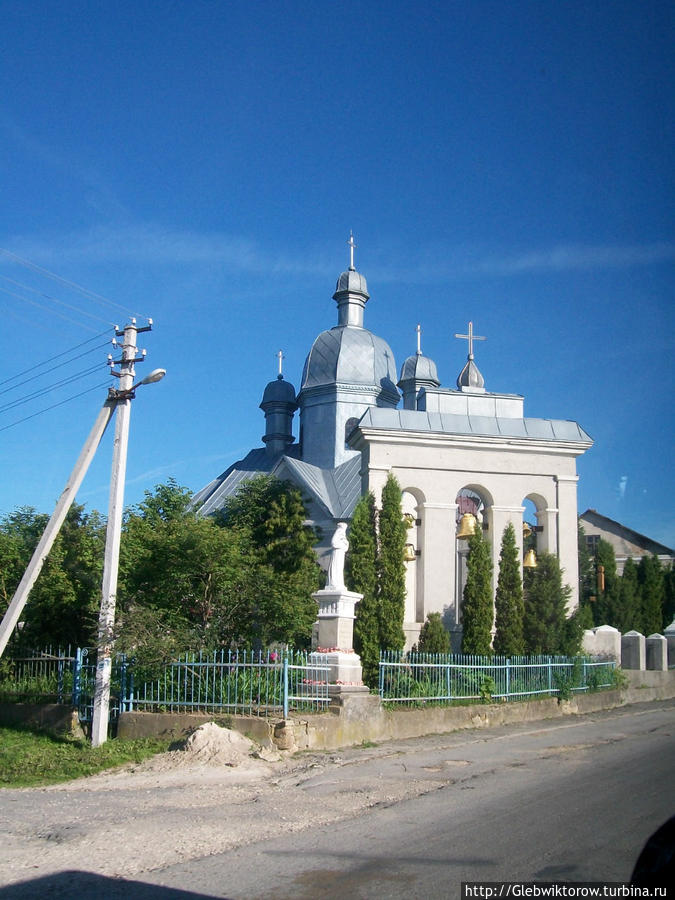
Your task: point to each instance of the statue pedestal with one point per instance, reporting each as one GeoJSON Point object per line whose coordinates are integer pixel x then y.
{"type": "Point", "coordinates": [334, 635]}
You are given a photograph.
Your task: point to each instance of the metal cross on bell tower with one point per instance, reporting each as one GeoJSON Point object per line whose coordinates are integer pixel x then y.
{"type": "Point", "coordinates": [471, 337]}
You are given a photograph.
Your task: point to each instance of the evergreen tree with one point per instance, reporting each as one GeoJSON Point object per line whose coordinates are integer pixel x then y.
{"type": "Point", "coordinates": [629, 614]}
{"type": "Point", "coordinates": [587, 586]}
{"type": "Point", "coordinates": [544, 622]}
{"type": "Point", "coordinates": [433, 636]}
{"type": "Point", "coordinates": [605, 611]}
{"type": "Point", "coordinates": [652, 594]}
{"type": "Point", "coordinates": [391, 567]}
{"type": "Point", "coordinates": [361, 576]}
{"type": "Point", "coordinates": [669, 596]}
{"type": "Point", "coordinates": [477, 611]}
{"type": "Point", "coordinates": [509, 599]}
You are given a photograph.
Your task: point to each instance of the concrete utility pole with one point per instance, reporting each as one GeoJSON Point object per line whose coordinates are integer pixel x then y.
{"type": "Point", "coordinates": [106, 621]}
{"type": "Point", "coordinates": [50, 533]}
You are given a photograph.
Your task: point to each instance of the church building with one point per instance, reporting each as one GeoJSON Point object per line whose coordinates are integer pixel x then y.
{"type": "Point", "coordinates": [453, 451]}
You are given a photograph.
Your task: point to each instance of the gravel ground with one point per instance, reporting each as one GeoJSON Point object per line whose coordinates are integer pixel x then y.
{"type": "Point", "coordinates": [183, 805]}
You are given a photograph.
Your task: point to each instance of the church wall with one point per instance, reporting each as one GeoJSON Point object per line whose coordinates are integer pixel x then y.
{"type": "Point", "coordinates": [436, 470]}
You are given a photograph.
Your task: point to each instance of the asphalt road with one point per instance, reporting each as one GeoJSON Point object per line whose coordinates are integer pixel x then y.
{"type": "Point", "coordinates": [571, 800]}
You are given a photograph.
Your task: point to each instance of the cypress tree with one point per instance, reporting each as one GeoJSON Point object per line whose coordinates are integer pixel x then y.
{"type": "Point", "coordinates": [509, 599]}
{"type": "Point", "coordinates": [433, 636]}
{"type": "Point", "coordinates": [544, 622]}
{"type": "Point", "coordinates": [587, 587]}
{"type": "Point", "coordinates": [361, 576]}
{"type": "Point", "coordinates": [652, 594]}
{"type": "Point", "coordinates": [669, 596]}
{"type": "Point", "coordinates": [391, 567]}
{"type": "Point", "coordinates": [605, 612]}
{"type": "Point", "coordinates": [629, 613]}
{"type": "Point", "coordinates": [477, 610]}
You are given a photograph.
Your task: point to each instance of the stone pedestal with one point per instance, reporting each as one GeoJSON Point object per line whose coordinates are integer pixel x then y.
{"type": "Point", "coordinates": [670, 638]}
{"type": "Point", "coordinates": [608, 642]}
{"type": "Point", "coordinates": [333, 635]}
{"type": "Point", "coordinates": [657, 653]}
{"type": "Point", "coordinates": [633, 655]}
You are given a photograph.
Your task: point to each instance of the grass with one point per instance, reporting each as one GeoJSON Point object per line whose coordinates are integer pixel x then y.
{"type": "Point", "coordinates": [32, 759]}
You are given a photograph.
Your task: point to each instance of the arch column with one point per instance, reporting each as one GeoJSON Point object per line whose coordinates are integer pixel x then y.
{"type": "Point", "coordinates": [547, 540]}
{"type": "Point", "coordinates": [437, 542]}
{"type": "Point", "coordinates": [568, 552]}
{"type": "Point", "coordinates": [499, 518]}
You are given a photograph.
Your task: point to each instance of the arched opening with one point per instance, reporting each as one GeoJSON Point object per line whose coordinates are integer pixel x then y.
{"type": "Point", "coordinates": [473, 511]}
{"type": "Point", "coordinates": [533, 527]}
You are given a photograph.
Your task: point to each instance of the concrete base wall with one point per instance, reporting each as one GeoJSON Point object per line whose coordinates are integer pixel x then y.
{"type": "Point", "coordinates": [357, 716]}
{"type": "Point", "coordinates": [54, 718]}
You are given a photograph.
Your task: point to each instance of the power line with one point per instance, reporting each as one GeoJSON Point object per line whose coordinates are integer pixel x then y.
{"type": "Point", "coordinates": [52, 311]}
{"type": "Point", "coordinates": [71, 284]}
{"type": "Point", "coordinates": [54, 405]}
{"type": "Point", "coordinates": [50, 387]}
{"type": "Point", "coordinates": [27, 287]}
{"type": "Point", "coordinates": [57, 366]}
{"type": "Point", "coordinates": [57, 356]}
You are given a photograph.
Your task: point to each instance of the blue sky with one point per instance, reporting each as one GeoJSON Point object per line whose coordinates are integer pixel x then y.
{"type": "Point", "coordinates": [202, 163]}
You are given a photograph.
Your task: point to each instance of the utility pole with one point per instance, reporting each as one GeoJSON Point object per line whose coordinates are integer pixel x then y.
{"type": "Point", "coordinates": [123, 397]}
{"type": "Point", "coordinates": [51, 531]}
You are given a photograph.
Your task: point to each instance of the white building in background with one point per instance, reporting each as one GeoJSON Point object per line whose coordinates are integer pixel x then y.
{"type": "Point", "coordinates": [452, 450]}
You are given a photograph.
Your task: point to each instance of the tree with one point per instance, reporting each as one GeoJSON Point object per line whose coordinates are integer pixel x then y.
{"type": "Point", "coordinates": [544, 622]}
{"type": "Point", "coordinates": [607, 585]}
{"type": "Point", "coordinates": [587, 587]}
{"type": "Point", "coordinates": [477, 611]}
{"type": "Point", "coordinates": [243, 578]}
{"type": "Point", "coordinates": [652, 594]}
{"type": "Point", "coordinates": [669, 596]}
{"type": "Point", "coordinates": [361, 576]}
{"type": "Point", "coordinates": [62, 607]}
{"type": "Point", "coordinates": [391, 567]}
{"type": "Point", "coordinates": [628, 608]}
{"type": "Point", "coordinates": [509, 607]}
{"type": "Point", "coordinates": [433, 636]}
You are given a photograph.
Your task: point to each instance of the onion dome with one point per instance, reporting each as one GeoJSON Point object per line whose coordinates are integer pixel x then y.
{"type": "Point", "coordinates": [278, 404]}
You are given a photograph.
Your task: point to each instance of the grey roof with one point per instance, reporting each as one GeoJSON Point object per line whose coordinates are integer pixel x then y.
{"type": "Point", "coordinates": [337, 490]}
{"type": "Point", "coordinates": [350, 355]}
{"type": "Point", "coordinates": [484, 426]}
{"type": "Point", "coordinates": [470, 376]}
{"type": "Point", "coordinates": [593, 517]}
{"type": "Point", "coordinates": [419, 368]}
{"type": "Point", "coordinates": [279, 391]}
{"type": "Point", "coordinates": [353, 282]}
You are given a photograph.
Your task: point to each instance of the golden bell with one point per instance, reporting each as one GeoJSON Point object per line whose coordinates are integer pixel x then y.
{"type": "Point", "coordinates": [530, 561]}
{"type": "Point", "coordinates": [409, 520]}
{"type": "Point", "coordinates": [409, 553]}
{"type": "Point", "coordinates": [467, 526]}
{"type": "Point", "coordinates": [527, 531]}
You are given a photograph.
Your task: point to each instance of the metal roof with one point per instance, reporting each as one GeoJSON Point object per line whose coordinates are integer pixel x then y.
{"type": "Point", "coordinates": [483, 426]}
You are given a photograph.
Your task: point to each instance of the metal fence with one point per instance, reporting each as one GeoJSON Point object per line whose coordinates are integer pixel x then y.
{"type": "Point", "coordinates": [271, 683]}
{"type": "Point", "coordinates": [415, 679]}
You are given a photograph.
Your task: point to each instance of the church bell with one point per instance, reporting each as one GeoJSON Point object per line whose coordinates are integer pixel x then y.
{"type": "Point", "coordinates": [467, 526]}
{"type": "Point", "coordinates": [530, 561]}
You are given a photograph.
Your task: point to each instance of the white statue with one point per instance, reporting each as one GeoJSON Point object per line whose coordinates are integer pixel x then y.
{"type": "Point", "coordinates": [336, 567]}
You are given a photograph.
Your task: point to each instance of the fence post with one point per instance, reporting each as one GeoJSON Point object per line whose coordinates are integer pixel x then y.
{"type": "Point", "coordinates": [77, 672]}
{"type": "Point", "coordinates": [508, 677]}
{"type": "Point", "coordinates": [285, 686]}
{"type": "Point", "coordinates": [123, 682]}
{"type": "Point", "coordinates": [550, 674]}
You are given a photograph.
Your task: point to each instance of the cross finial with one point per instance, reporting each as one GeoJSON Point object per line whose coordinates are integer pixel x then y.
{"type": "Point", "coordinates": [418, 329]}
{"type": "Point", "coordinates": [471, 337]}
{"type": "Point", "coordinates": [281, 357]}
{"type": "Point", "coordinates": [352, 247]}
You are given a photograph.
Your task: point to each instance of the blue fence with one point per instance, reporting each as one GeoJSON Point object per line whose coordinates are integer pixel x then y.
{"type": "Point", "coordinates": [226, 682]}
{"type": "Point", "coordinates": [413, 679]}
